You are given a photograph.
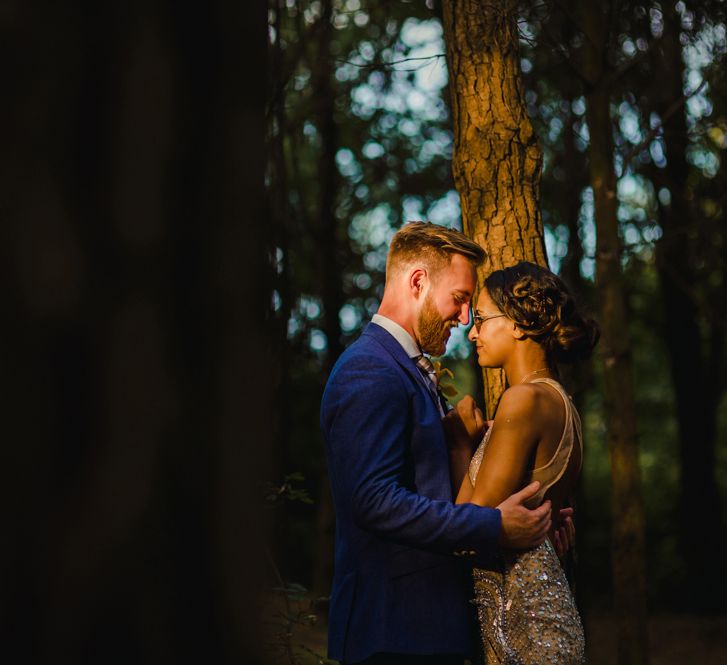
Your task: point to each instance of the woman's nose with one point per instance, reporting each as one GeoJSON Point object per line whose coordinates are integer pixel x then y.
{"type": "Point", "coordinates": [472, 334]}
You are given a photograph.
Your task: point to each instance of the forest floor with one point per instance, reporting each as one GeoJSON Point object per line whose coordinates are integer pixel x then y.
{"type": "Point", "coordinates": [673, 640]}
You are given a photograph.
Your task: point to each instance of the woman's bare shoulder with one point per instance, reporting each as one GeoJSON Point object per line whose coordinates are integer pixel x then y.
{"type": "Point", "coordinates": [521, 398]}
{"type": "Point", "coordinates": [528, 404]}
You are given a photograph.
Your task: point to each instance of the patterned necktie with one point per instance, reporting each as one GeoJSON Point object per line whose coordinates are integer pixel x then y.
{"type": "Point", "coordinates": [424, 364]}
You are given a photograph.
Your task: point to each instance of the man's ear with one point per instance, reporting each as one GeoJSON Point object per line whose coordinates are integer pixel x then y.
{"type": "Point", "coordinates": [417, 281]}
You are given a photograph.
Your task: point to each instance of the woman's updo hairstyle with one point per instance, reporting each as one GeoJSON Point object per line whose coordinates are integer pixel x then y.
{"type": "Point", "coordinates": [539, 303]}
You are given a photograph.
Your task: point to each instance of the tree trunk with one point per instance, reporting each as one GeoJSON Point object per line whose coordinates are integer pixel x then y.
{"type": "Point", "coordinates": [497, 160]}
{"type": "Point", "coordinates": [331, 271]}
{"type": "Point", "coordinates": [696, 408]}
{"type": "Point", "coordinates": [281, 212]}
{"type": "Point", "coordinates": [579, 377]}
{"type": "Point", "coordinates": [628, 547]}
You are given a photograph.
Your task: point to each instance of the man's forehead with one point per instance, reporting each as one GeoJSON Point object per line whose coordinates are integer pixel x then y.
{"type": "Point", "coordinates": [460, 274]}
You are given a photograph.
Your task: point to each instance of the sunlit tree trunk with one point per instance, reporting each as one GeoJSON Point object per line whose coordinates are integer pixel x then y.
{"type": "Point", "coordinates": [628, 547]}
{"type": "Point", "coordinates": [696, 396]}
{"type": "Point", "coordinates": [497, 160]}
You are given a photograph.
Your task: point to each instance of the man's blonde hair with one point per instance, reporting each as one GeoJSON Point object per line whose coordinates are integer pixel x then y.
{"type": "Point", "coordinates": [431, 245]}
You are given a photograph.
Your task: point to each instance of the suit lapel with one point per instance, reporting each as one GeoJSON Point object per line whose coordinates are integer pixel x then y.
{"type": "Point", "coordinates": [403, 360]}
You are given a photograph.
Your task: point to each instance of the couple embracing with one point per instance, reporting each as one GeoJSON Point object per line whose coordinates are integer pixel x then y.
{"type": "Point", "coordinates": [442, 554]}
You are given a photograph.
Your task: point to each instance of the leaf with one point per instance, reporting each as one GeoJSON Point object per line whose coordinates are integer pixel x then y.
{"type": "Point", "coordinates": [447, 390]}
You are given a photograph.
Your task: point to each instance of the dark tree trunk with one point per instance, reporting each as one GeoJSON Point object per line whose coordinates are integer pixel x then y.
{"type": "Point", "coordinates": [695, 397]}
{"type": "Point", "coordinates": [278, 191]}
{"type": "Point", "coordinates": [579, 378]}
{"type": "Point", "coordinates": [628, 541]}
{"type": "Point", "coordinates": [331, 268]}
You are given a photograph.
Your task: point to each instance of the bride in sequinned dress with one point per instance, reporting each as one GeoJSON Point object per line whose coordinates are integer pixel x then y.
{"type": "Point", "coordinates": [525, 322]}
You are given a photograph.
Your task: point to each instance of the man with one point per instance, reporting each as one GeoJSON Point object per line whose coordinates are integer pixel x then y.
{"type": "Point", "coordinates": [400, 593]}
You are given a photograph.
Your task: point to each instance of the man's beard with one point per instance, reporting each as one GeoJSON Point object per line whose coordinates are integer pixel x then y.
{"type": "Point", "coordinates": [433, 329]}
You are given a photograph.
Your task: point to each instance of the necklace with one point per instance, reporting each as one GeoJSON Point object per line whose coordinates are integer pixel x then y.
{"type": "Point", "coordinates": [542, 369]}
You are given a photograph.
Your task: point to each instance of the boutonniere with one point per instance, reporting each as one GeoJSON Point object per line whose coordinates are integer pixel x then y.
{"type": "Point", "coordinates": [447, 389]}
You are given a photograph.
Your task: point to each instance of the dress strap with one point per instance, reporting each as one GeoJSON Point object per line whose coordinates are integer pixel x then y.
{"type": "Point", "coordinates": [551, 472]}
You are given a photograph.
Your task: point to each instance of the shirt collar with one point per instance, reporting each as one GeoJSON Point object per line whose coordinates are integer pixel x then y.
{"type": "Point", "coordinates": [399, 334]}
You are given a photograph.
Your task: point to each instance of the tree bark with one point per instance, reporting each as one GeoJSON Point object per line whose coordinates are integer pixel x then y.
{"type": "Point", "coordinates": [628, 542]}
{"type": "Point", "coordinates": [497, 160]}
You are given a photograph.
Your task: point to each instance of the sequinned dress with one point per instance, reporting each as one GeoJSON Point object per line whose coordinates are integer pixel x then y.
{"type": "Point", "coordinates": [526, 611]}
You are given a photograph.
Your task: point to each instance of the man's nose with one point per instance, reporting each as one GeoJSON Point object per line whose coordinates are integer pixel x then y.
{"type": "Point", "coordinates": [464, 315]}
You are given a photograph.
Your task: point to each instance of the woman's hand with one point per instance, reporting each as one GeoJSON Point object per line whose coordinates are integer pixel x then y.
{"type": "Point", "coordinates": [464, 425]}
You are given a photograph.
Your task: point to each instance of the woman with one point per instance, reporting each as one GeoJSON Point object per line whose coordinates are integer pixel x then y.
{"type": "Point", "coordinates": [526, 322]}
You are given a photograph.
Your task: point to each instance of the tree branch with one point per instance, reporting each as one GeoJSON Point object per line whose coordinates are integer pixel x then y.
{"type": "Point", "coordinates": [384, 65]}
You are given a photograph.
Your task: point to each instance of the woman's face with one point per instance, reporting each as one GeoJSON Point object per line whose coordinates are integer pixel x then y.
{"type": "Point", "coordinates": [491, 332]}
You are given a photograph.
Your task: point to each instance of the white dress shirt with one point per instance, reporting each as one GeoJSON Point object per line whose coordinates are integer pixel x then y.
{"type": "Point", "coordinates": [399, 334]}
{"type": "Point", "coordinates": [410, 347]}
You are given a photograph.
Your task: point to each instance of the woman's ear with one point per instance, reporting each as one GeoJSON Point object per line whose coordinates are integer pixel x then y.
{"type": "Point", "coordinates": [517, 333]}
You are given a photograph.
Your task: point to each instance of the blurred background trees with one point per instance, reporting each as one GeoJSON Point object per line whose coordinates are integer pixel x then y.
{"type": "Point", "coordinates": [135, 349]}
{"type": "Point", "coordinates": [628, 101]}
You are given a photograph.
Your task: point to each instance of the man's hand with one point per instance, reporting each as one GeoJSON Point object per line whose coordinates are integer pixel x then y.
{"type": "Point", "coordinates": [523, 528]}
{"type": "Point", "coordinates": [565, 534]}
{"type": "Point", "coordinates": [464, 425]}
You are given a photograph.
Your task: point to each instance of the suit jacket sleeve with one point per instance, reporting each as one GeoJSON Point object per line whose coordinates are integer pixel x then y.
{"type": "Point", "coordinates": [366, 422]}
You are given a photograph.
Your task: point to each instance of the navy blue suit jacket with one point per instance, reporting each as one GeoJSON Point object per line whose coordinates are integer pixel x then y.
{"type": "Point", "coordinates": [397, 585]}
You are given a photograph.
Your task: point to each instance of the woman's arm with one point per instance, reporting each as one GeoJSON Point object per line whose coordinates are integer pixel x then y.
{"type": "Point", "coordinates": [459, 463]}
{"type": "Point", "coordinates": [464, 427]}
{"type": "Point", "coordinates": [515, 434]}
